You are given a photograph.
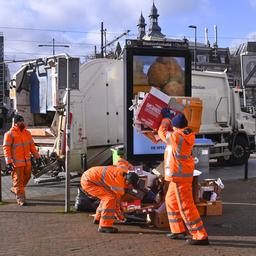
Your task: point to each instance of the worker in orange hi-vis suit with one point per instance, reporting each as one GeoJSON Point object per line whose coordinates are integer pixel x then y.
{"type": "Point", "coordinates": [18, 146]}
{"type": "Point", "coordinates": [179, 168]}
{"type": "Point", "coordinates": [123, 166]}
{"type": "Point", "coordinates": [108, 183]}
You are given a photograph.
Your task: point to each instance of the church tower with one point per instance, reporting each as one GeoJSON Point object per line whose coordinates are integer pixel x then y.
{"type": "Point", "coordinates": [141, 27]}
{"type": "Point", "coordinates": [154, 31]}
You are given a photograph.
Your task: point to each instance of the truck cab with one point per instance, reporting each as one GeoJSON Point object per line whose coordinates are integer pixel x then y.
{"type": "Point", "coordinates": [230, 125]}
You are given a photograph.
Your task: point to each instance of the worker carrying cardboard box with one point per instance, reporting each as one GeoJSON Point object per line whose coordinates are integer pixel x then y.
{"type": "Point", "coordinates": [108, 183]}
{"type": "Point", "coordinates": [179, 167]}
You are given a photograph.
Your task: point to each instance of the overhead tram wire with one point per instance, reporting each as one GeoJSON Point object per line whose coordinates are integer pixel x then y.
{"type": "Point", "coordinates": [56, 30]}
{"type": "Point", "coordinates": [98, 32]}
{"type": "Point", "coordinates": [43, 42]}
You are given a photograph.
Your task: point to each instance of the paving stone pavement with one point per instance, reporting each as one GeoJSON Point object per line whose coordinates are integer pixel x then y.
{"type": "Point", "coordinates": [42, 227]}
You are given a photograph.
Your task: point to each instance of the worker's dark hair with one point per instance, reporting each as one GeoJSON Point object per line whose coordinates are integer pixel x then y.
{"type": "Point", "coordinates": [18, 118]}
{"type": "Point", "coordinates": [180, 121]}
{"type": "Point", "coordinates": [132, 178]}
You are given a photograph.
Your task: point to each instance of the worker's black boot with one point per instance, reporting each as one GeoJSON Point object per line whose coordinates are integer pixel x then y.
{"type": "Point", "coordinates": [107, 230]}
{"type": "Point", "coordinates": [178, 236]}
{"type": "Point", "coordinates": [197, 242]}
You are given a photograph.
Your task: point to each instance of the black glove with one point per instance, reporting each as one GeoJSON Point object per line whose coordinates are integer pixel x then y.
{"type": "Point", "coordinates": [38, 162]}
{"type": "Point", "coordinates": [166, 113]}
{"type": "Point", "coordinates": [9, 168]}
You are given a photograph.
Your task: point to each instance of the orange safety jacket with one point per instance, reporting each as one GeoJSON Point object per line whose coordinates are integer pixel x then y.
{"type": "Point", "coordinates": [109, 177]}
{"type": "Point", "coordinates": [179, 162]}
{"type": "Point", "coordinates": [17, 147]}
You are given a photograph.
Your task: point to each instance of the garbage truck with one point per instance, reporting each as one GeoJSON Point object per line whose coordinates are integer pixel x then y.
{"type": "Point", "coordinates": [229, 124]}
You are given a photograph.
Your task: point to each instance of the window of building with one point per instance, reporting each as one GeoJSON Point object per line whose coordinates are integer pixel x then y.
{"type": "Point", "coordinates": [202, 58]}
{"type": "Point", "coordinates": [222, 59]}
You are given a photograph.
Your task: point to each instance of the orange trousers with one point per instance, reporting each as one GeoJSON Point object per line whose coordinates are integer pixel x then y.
{"type": "Point", "coordinates": [106, 210]}
{"type": "Point", "coordinates": [20, 178]}
{"type": "Point", "coordinates": [181, 209]}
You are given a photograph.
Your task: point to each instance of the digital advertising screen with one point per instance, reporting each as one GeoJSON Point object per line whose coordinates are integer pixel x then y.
{"type": "Point", "coordinates": [168, 70]}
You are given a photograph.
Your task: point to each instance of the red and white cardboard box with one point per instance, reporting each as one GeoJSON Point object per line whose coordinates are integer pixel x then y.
{"type": "Point", "coordinates": [149, 113]}
{"type": "Point", "coordinates": [131, 206]}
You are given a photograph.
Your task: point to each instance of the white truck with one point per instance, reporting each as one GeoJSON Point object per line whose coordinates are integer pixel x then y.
{"type": "Point", "coordinates": [230, 126]}
{"type": "Point", "coordinates": [97, 114]}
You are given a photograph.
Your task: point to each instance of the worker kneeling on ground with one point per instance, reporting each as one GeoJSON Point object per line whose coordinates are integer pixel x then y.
{"type": "Point", "coordinates": [179, 168]}
{"type": "Point", "coordinates": [108, 183]}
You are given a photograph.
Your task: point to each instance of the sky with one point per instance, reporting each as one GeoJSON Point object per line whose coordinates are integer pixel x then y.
{"type": "Point", "coordinates": [27, 23]}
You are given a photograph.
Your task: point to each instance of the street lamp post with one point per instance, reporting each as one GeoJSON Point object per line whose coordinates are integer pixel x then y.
{"type": "Point", "coordinates": [195, 46]}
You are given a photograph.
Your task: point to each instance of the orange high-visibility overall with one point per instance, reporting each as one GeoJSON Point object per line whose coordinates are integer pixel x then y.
{"type": "Point", "coordinates": [179, 168]}
{"type": "Point", "coordinates": [17, 147]}
{"type": "Point", "coordinates": [106, 183]}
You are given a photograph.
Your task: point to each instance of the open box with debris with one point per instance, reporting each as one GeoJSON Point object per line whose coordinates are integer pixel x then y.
{"type": "Point", "coordinates": [147, 203]}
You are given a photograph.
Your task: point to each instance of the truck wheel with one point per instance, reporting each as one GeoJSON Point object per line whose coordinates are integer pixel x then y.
{"type": "Point", "coordinates": [239, 151]}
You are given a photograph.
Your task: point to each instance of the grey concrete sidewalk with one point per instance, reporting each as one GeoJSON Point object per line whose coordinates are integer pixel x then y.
{"type": "Point", "coordinates": [41, 228]}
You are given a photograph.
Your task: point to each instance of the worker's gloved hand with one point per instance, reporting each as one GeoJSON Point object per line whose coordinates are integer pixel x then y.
{"type": "Point", "coordinates": [120, 216]}
{"type": "Point", "coordinates": [9, 168]}
{"type": "Point", "coordinates": [38, 162]}
{"type": "Point", "coordinates": [167, 113]}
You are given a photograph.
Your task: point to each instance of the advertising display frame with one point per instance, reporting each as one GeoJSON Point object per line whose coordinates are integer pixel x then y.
{"type": "Point", "coordinates": [129, 53]}
{"type": "Point", "coordinates": [248, 70]}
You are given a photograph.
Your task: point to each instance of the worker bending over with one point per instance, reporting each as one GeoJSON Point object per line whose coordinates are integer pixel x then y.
{"type": "Point", "coordinates": [18, 145]}
{"type": "Point", "coordinates": [179, 168]}
{"type": "Point", "coordinates": [108, 183]}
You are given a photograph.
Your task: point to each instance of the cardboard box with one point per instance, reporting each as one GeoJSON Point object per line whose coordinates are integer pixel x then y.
{"type": "Point", "coordinates": [214, 209]}
{"type": "Point", "coordinates": [159, 217]}
{"type": "Point", "coordinates": [149, 113]}
{"type": "Point", "coordinates": [212, 185]}
{"type": "Point", "coordinates": [210, 208]}
{"type": "Point", "coordinates": [201, 207]}
{"type": "Point", "coordinates": [131, 206]}
{"type": "Point", "coordinates": [191, 107]}
{"type": "Point", "coordinates": [159, 220]}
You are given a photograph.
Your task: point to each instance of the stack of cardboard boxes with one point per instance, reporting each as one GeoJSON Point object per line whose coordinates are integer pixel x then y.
{"type": "Point", "coordinates": [147, 111]}
{"type": "Point", "coordinates": [208, 197]}
{"type": "Point", "coordinates": [206, 194]}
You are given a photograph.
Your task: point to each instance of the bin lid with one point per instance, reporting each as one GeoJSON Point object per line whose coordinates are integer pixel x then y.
{"type": "Point", "coordinates": [119, 149]}
{"type": "Point", "coordinates": [203, 142]}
